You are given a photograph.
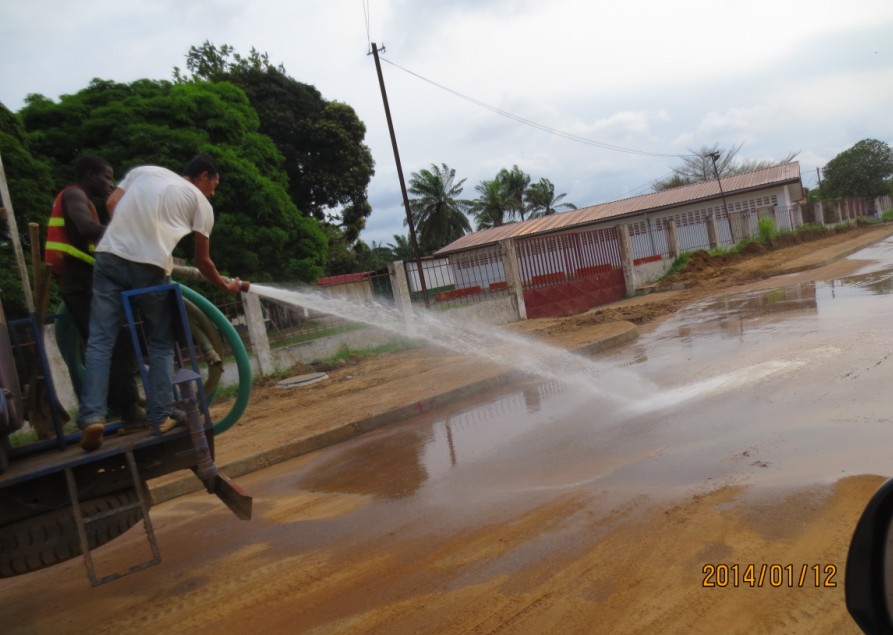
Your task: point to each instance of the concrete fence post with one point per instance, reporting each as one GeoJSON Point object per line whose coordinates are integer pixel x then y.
{"type": "Point", "coordinates": [513, 275]}
{"type": "Point", "coordinates": [626, 260]}
{"type": "Point", "coordinates": [819, 213]}
{"type": "Point", "coordinates": [711, 232]}
{"type": "Point", "coordinates": [257, 333]}
{"type": "Point", "coordinates": [402, 297]}
{"type": "Point", "coordinates": [672, 239]}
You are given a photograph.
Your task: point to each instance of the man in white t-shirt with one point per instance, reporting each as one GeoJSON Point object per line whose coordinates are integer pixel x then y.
{"type": "Point", "coordinates": [152, 209]}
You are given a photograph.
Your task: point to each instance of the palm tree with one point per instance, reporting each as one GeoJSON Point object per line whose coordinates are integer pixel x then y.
{"type": "Point", "coordinates": [514, 183]}
{"type": "Point", "coordinates": [438, 213]}
{"type": "Point", "coordinates": [401, 248]}
{"type": "Point", "coordinates": [490, 207]}
{"type": "Point", "coordinates": [542, 201]}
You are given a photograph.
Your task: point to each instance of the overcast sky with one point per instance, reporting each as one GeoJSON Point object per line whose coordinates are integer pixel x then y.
{"type": "Point", "coordinates": [650, 76]}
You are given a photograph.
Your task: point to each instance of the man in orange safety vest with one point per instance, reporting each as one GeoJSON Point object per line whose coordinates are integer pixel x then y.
{"type": "Point", "coordinates": [74, 229]}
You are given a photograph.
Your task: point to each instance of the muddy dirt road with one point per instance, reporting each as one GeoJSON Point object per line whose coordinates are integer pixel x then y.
{"type": "Point", "coordinates": [748, 429]}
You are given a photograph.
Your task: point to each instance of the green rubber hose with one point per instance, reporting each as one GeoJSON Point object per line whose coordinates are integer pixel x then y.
{"type": "Point", "coordinates": [71, 347]}
{"type": "Point", "coordinates": [209, 342]}
{"type": "Point", "coordinates": [243, 363]}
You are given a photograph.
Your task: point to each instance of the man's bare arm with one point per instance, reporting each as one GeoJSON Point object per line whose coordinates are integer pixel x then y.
{"type": "Point", "coordinates": [208, 269]}
{"type": "Point", "coordinates": [112, 201]}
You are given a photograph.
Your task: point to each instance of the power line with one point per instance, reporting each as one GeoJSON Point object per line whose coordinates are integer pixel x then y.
{"type": "Point", "coordinates": [367, 10]}
{"type": "Point", "coordinates": [533, 124]}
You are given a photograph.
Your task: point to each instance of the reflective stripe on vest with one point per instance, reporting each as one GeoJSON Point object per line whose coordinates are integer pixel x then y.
{"type": "Point", "coordinates": [57, 245]}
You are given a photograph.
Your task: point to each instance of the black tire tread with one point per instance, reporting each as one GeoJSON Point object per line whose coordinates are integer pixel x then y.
{"type": "Point", "coordinates": [51, 538]}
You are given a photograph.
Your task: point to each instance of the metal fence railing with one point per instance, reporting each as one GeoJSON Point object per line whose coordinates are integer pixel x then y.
{"type": "Point", "coordinates": [460, 279]}
{"type": "Point", "coordinates": [650, 236]}
{"type": "Point", "coordinates": [558, 258]}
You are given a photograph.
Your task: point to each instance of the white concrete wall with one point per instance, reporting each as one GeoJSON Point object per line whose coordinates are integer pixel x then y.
{"type": "Point", "coordinates": [649, 272]}
{"type": "Point", "coordinates": [495, 311]}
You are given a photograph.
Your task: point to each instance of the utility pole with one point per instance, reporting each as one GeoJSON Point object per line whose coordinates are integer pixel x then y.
{"type": "Point", "coordinates": [715, 156]}
{"type": "Point", "coordinates": [412, 236]}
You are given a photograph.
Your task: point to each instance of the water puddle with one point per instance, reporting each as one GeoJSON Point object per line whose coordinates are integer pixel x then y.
{"type": "Point", "coordinates": [780, 387]}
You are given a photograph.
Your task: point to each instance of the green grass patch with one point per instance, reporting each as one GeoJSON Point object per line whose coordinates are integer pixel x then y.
{"type": "Point", "coordinates": [766, 229]}
{"type": "Point", "coordinates": [679, 264]}
{"type": "Point", "coordinates": [346, 353]}
{"type": "Point", "coordinates": [307, 336]}
{"type": "Point", "coordinates": [225, 393]}
{"type": "Point", "coordinates": [724, 251]}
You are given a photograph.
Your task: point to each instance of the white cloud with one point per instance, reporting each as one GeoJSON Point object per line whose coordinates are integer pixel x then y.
{"type": "Point", "coordinates": [659, 77]}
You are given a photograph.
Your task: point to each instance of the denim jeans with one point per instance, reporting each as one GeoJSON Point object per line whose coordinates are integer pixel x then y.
{"type": "Point", "coordinates": [76, 289]}
{"type": "Point", "coordinates": [111, 276]}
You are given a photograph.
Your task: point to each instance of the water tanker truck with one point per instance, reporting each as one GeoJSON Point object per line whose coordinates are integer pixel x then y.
{"type": "Point", "coordinates": [59, 502]}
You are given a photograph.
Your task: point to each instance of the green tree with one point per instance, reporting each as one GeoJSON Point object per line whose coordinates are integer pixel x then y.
{"type": "Point", "coordinates": [437, 210]}
{"type": "Point", "coordinates": [541, 199]}
{"type": "Point", "coordinates": [32, 191]}
{"type": "Point", "coordinates": [328, 164]}
{"type": "Point", "coordinates": [698, 166]}
{"type": "Point", "coordinates": [375, 256]}
{"type": "Point", "coordinates": [490, 207]}
{"type": "Point", "coordinates": [342, 257]}
{"type": "Point", "coordinates": [865, 170]}
{"type": "Point", "coordinates": [401, 248]}
{"type": "Point", "coordinates": [514, 184]}
{"type": "Point", "coordinates": [259, 234]}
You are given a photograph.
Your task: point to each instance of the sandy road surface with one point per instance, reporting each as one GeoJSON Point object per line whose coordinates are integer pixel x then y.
{"type": "Point", "coordinates": [354, 558]}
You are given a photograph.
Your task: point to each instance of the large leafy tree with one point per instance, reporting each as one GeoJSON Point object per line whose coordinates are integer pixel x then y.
{"type": "Point", "coordinates": [373, 257]}
{"type": "Point", "coordinates": [541, 199]}
{"type": "Point", "coordinates": [31, 190]}
{"type": "Point", "coordinates": [259, 233]}
{"type": "Point", "coordinates": [437, 210]}
{"type": "Point", "coordinates": [342, 257]}
{"type": "Point", "coordinates": [327, 163]}
{"type": "Point", "coordinates": [699, 166]}
{"type": "Point", "coordinates": [864, 170]}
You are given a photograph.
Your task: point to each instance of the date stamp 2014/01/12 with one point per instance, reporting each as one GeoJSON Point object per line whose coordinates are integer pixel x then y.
{"type": "Point", "coordinates": [769, 575]}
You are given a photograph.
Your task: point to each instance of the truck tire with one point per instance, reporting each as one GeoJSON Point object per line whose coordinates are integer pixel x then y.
{"type": "Point", "coordinates": [51, 538]}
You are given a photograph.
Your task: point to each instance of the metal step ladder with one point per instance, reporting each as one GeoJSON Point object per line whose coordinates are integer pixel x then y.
{"type": "Point", "coordinates": [188, 386]}
{"type": "Point", "coordinates": [82, 521]}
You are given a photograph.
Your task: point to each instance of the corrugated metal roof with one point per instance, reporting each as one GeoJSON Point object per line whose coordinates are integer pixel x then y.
{"type": "Point", "coordinates": [674, 197]}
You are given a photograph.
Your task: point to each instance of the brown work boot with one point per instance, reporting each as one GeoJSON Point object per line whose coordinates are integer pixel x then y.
{"type": "Point", "coordinates": [91, 436]}
{"type": "Point", "coordinates": [167, 425]}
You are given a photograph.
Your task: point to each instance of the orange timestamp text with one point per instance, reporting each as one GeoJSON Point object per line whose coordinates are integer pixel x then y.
{"type": "Point", "coordinates": [769, 575]}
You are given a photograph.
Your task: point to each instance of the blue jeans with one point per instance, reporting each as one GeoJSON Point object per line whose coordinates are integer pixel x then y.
{"type": "Point", "coordinates": [111, 276]}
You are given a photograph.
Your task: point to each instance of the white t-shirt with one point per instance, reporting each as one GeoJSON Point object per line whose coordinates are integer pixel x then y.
{"type": "Point", "coordinates": [157, 209]}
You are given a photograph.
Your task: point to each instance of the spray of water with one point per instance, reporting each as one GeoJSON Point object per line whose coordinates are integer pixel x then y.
{"type": "Point", "coordinates": [474, 338]}
{"type": "Point", "coordinates": [622, 389]}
